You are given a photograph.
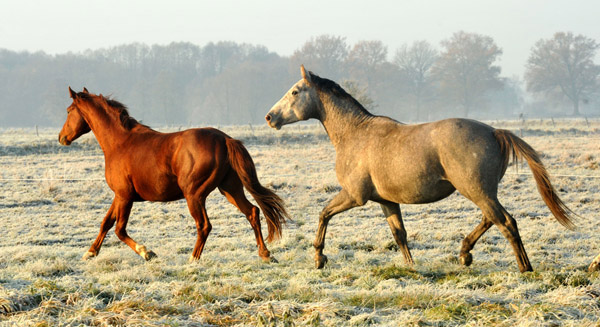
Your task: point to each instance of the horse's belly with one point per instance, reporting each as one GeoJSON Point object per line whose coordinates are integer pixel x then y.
{"type": "Point", "coordinates": [162, 197]}
{"type": "Point", "coordinates": [159, 190]}
{"type": "Point", "coordinates": [414, 192]}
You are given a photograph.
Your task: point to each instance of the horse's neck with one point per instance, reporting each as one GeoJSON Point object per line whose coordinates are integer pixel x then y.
{"type": "Point", "coordinates": [342, 119]}
{"type": "Point", "coordinates": [107, 129]}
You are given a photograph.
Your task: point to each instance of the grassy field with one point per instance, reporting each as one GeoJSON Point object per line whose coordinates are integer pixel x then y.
{"type": "Point", "coordinates": [47, 224]}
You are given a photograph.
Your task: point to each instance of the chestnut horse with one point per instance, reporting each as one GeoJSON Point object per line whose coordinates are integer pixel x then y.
{"type": "Point", "coordinates": [382, 160]}
{"type": "Point", "coordinates": [145, 165]}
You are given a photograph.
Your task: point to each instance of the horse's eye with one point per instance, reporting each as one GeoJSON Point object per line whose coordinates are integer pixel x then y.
{"type": "Point", "coordinates": [294, 92]}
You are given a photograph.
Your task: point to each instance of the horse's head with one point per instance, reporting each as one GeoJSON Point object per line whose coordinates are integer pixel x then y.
{"type": "Point", "coordinates": [301, 102]}
{"type": "Point", "coordinates": [75, 125]}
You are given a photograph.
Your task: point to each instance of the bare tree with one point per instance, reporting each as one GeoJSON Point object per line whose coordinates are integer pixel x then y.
{"type": "Point", "coordinates": [323, 54]}
{"type": "Point", "coordinates": [368, 53]}
{"type": "Point", "coordinates": [415, 63]}
{"type": "Point", "coordinates": [465, 69]}
{"type": "Point", "coordinates": [365, 60]}
{"type": "Point", "coordinates": [564, 65]}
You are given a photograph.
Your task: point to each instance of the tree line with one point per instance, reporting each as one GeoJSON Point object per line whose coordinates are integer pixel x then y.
{"type": "Point", "coordinates": [230, 83]}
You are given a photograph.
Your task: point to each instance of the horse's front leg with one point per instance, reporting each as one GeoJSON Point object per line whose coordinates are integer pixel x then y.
{"type": "Point", "coordinates": [107, 224]}
{"type": "Point", "coordinates": [122, 209]}
{"type": "Point", "coordinates": [340, 203]}
{"type": "Point", "coordinates": [394, 219]}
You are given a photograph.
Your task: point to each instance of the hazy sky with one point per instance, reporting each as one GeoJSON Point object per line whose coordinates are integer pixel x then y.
{"type": "Point", "coordinates": [60, 26]}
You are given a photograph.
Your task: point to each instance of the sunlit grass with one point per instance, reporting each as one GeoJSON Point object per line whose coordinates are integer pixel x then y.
{"type": "Point", "coordinates": [47, 225]}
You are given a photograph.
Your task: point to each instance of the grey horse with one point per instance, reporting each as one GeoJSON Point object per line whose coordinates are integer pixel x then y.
{"type": "Point", "coordinates": [382, 160]}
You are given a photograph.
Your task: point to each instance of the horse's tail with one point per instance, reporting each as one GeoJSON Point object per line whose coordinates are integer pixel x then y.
{"type": "Point", "coordinates": [270, 203]}
{"type": "Point", "coordinates": [510, 144]}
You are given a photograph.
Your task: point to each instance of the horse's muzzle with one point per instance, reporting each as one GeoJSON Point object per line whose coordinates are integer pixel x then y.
{"type": "Point", "coordinates": [271, 122]}
{"type": "Point", "coordinates": [63, 140]}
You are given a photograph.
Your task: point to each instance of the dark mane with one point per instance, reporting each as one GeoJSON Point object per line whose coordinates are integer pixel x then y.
{"type": "Point", "coordinates": [334, 88]}
{"type": "Point", "coordinates": [126, 120]}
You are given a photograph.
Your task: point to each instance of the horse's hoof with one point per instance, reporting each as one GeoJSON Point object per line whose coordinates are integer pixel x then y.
{"type": "Point", "coordinates": [193, 259]}
{"type": "Point", "coordinates": [88, 255]}
{"type": "Point", "coordinates": [144, 253]}
{"type": "Point", "coordinates": [149, 255]}
{"type": "Point", "coordinates": [525, 269]}
{"type": "Point", "coordinates": [269, 260]}
{"type": "Point", "coordinates": [320, 261]}
{"type": "Point", "coordinates": [466, 259]}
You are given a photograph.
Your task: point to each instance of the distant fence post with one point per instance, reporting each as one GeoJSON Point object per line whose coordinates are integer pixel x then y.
{"type": "Point", "coordinates": [522, 118]}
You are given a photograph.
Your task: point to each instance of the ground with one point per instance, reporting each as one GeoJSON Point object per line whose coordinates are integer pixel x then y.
{"type": "Point", "coordinates": [47, 224]}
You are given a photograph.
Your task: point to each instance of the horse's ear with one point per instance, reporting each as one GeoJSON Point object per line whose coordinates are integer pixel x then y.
{"type": "Point", "coordinates": [72, 93]}
{"type": "Point", "coordinates": [305, 75]}
{"type": "Point", "coordinates": [85, 90]}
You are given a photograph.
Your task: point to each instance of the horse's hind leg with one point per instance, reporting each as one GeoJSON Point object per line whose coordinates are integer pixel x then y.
{"type": "Point", "coordinates": [469, 242]}
{"type": "Point", "coordinates": [341, 202]}
{"type": "Point", "coordinates": [493, 210]}
{"type": "Point", "coordinates": [122, 208]}
{"type": "Point", "coordinates": [203, 226]}
{"type": "Point", "coordinates": [394, 219]}
{"type": "Point", "coordinates": [107, 224]}
{"type": "Point", "coordinates": [235, 195]}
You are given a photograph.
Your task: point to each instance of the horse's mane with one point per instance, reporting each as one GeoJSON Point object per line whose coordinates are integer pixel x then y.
{"type": "Point", "coordinates": [329, 86]}
{"type": "Point", "coordinates": [125, 119]}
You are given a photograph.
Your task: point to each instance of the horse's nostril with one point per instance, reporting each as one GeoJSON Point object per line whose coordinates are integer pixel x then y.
{"type": "Point", "coordinates": [268, 117]}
